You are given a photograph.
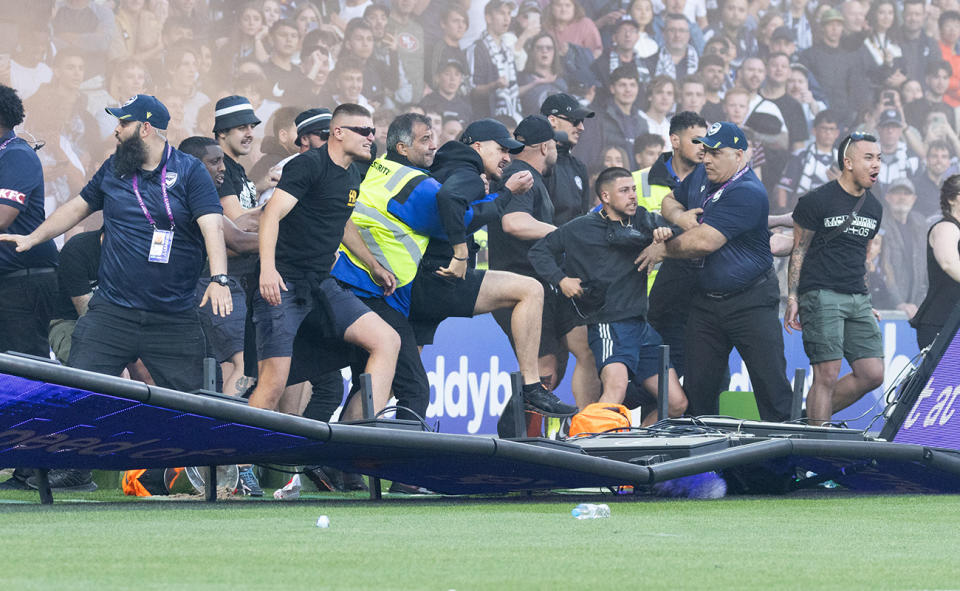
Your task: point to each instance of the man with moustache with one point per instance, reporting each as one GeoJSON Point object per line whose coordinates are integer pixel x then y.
{"type": "Point", "coordinates": [722, 207]}
{"type": "Point", "coordinates": [568, 184]}
{"type": "Point", "coordinates": [828, 296]}
{"type": "Point", "coordinates": [446, 287]}
{"type": "Point", "coordinates": [233, 129]}
{"type": "Point", "coordinates": [160, 213]}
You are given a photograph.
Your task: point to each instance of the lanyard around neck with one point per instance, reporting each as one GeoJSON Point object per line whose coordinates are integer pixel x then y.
{"type": "Point", "coordinates": [163, 192]}
{"type": "Point", "coordinates": [724, 186]}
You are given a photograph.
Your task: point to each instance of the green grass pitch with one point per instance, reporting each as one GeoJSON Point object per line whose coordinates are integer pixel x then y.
{"type": "Point", "coordinates": [829, 540]}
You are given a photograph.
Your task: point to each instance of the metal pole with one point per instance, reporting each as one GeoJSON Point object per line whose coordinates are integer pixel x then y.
{"type": "Point", "coordinates": [43, 486]}
{"type": "Point", "coordinates": [796, 406]}
{"type": "Point", "coordinates": [209, 374]}
{"type": "Point", "coordinates": [519, 412]}
{"type": "Point", "coordinates": [211, 488]}
{"type": "Point", "coordinates": [663, 384]}
{"type": "Point", "coordinates": [366, 398]}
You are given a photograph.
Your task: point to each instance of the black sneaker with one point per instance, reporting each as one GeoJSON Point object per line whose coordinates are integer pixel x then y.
{"type": "Point", "coordinates": [546, 403]}
{"type": "Point", "coordinates": [67, 481]}
{"type": "Point", "coordinates": [408, 489]}
{"type": "Point", "coordinates": [248, 485]}
{"type": "Point", "coordinates": [319, 478]}
{"type": "Point", "coordinates": [17, 480]}
{"type": "Point", "coordinates": [353, 482]}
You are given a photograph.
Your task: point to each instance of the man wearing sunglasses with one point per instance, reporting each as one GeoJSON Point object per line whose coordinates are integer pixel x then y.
{"type": "Point", "coordinates": [300, 231]}
{"type": "Point", "coordinates": [722, 207]}
{"type": "Point", "coordinates": [828, 296]}
{"type": "Point", "coordinates": [568, 184]}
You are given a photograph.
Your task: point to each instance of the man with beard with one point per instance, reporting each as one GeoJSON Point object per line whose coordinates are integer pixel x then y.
{"type": "Point", "coordinates": [445, 287]}
{"type": "Point", "coordinates": [722, 207]}
{"type": "Point", "coordinates": [674, 282]}
{"type": "Point", "coordinates": [160, 212]}
{"type": "Point", "coordinates": [300, 230]}
{"type": "Point", "coordinates": [528, 217]}
{"type": "Point", "coordinates": [828, 296]}
{"type": "Point", "coordinates": [590, 260]}
{"type": "Point", "coordinates": [568, 182]}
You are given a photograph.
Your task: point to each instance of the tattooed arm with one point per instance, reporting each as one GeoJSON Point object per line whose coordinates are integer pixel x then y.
{"type": "Point", "coordinates": [801, 243]}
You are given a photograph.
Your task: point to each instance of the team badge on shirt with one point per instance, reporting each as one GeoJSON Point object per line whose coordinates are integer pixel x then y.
{"type": "Point", "coordinates": [352, 198]}
{"type": "Point", "coordinates": [171, 179]}
{"type": "Point", "coordinates": [579, 182]}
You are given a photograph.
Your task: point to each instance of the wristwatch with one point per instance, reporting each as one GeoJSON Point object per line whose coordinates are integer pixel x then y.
{"type": "Point", "coordinates": [221, 279]}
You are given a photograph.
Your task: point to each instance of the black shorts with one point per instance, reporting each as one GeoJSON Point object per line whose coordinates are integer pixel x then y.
{"type": "Point", "coordinates": [433, 299]}
{"type": "Point", "coordinates": [277, 326]}
{"type": "Point", "coordinates": [631, 342]}
{"type": "Point", "coordinates": [558, 319]}
{"type": "Point", "coordinates": [224, 335]}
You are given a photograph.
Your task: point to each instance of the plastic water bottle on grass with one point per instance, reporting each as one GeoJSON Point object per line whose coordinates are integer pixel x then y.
{"type": "Point", "coordinates": [590, 511]}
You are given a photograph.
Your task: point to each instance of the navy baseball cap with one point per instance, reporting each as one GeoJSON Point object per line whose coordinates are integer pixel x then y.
{"type": "Point", "coordinates": [536, 129]}
{"type": "Point", "coordinates": [142, 107]}
{"type": "Point", "coordinates": [490, 129]}
{"type": "Point", "coordinates": [313, 121]}
{"type": "Point", "coordinates": [233, 111]}
{"type": "Point", "coordinates": [723, 134]}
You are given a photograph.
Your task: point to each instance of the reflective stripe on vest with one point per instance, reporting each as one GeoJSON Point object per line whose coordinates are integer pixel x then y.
{"type": "Point", "coordinates": [650, 197]}
{"type": "Point", "coordinates": [393, 243]}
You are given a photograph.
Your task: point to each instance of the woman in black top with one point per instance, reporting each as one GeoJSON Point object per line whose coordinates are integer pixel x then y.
{"type": "Point", "coordinates": [943, 266]}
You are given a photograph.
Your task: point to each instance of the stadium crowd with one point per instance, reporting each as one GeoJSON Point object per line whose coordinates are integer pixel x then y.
{"type": "Point", "coordinates": [345, 174]}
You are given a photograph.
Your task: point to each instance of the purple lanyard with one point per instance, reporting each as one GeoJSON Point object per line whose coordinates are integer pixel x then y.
{"type": "Point", "coordinates": [717, 192]}
{"type": "Point", "coordinates": [3, 146]}
{"type": "Point", "coordinates": [163, 191]}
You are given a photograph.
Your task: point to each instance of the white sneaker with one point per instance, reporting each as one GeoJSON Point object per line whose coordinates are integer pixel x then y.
{"type": "Point", "coordinates": [290, 491]}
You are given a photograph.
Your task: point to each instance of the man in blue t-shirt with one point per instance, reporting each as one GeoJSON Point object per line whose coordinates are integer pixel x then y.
{"type": "Point", "coordinates": [28, 280]}
{"type": "Point", "coordinates": [161, 217]}
{"type": "Point", "coordinates": [722, 207]}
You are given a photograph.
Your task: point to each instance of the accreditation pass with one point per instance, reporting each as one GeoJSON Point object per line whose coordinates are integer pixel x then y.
{"type": "Point", "coordinates": [160, 246]}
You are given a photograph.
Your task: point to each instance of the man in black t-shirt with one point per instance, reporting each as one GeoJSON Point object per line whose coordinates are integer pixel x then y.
{"type": "Point", "coordinates": [233, 129]}
{"type": "Point", "coordinates": [526, 218]}
{"type": "Point", "coordinates": [827, 291]}
{"type": "Point", "coordinates": [300, 231]}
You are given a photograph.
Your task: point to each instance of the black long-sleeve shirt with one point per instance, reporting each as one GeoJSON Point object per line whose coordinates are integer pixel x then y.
{"type": "Point", "coordinates": [600, 252]}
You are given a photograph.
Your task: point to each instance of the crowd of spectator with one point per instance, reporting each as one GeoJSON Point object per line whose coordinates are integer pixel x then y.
{"type": "Point", "coordinates": [796, 75]}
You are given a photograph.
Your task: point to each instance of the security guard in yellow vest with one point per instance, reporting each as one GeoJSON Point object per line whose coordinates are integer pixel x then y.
{"type": "Point", "coordinates": [384, 241]}
{"type": "Point", "coordinates": [650, 196]}
{"type": "Point", "coordinates": [670, 294]}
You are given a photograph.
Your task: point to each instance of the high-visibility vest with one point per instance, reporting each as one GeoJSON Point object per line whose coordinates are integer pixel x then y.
{"type": "Point", "coordinates": [395, 245]}
{"type": "Point", "coordinates": [650, 197]}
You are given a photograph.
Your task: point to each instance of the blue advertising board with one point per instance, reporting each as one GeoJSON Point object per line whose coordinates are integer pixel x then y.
{"type": "Point", "coordinates": [470, 363]}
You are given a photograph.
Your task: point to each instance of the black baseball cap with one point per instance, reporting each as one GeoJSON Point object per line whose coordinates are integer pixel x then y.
{"type": "Point", "coordinates": [890, 116]}
{"type": "Point", "coordinates": [145, 108]}
{"type": "Point", "coordinates": [312, 121]}
{"type": "Point", "coordinates": [784, 34]}
{"type": "Point", "coordinates": [564, 105]}
{"type": "Point", "coordinates": [536, 129]}
{"type": "Point", "coordinates": [490, 129]}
